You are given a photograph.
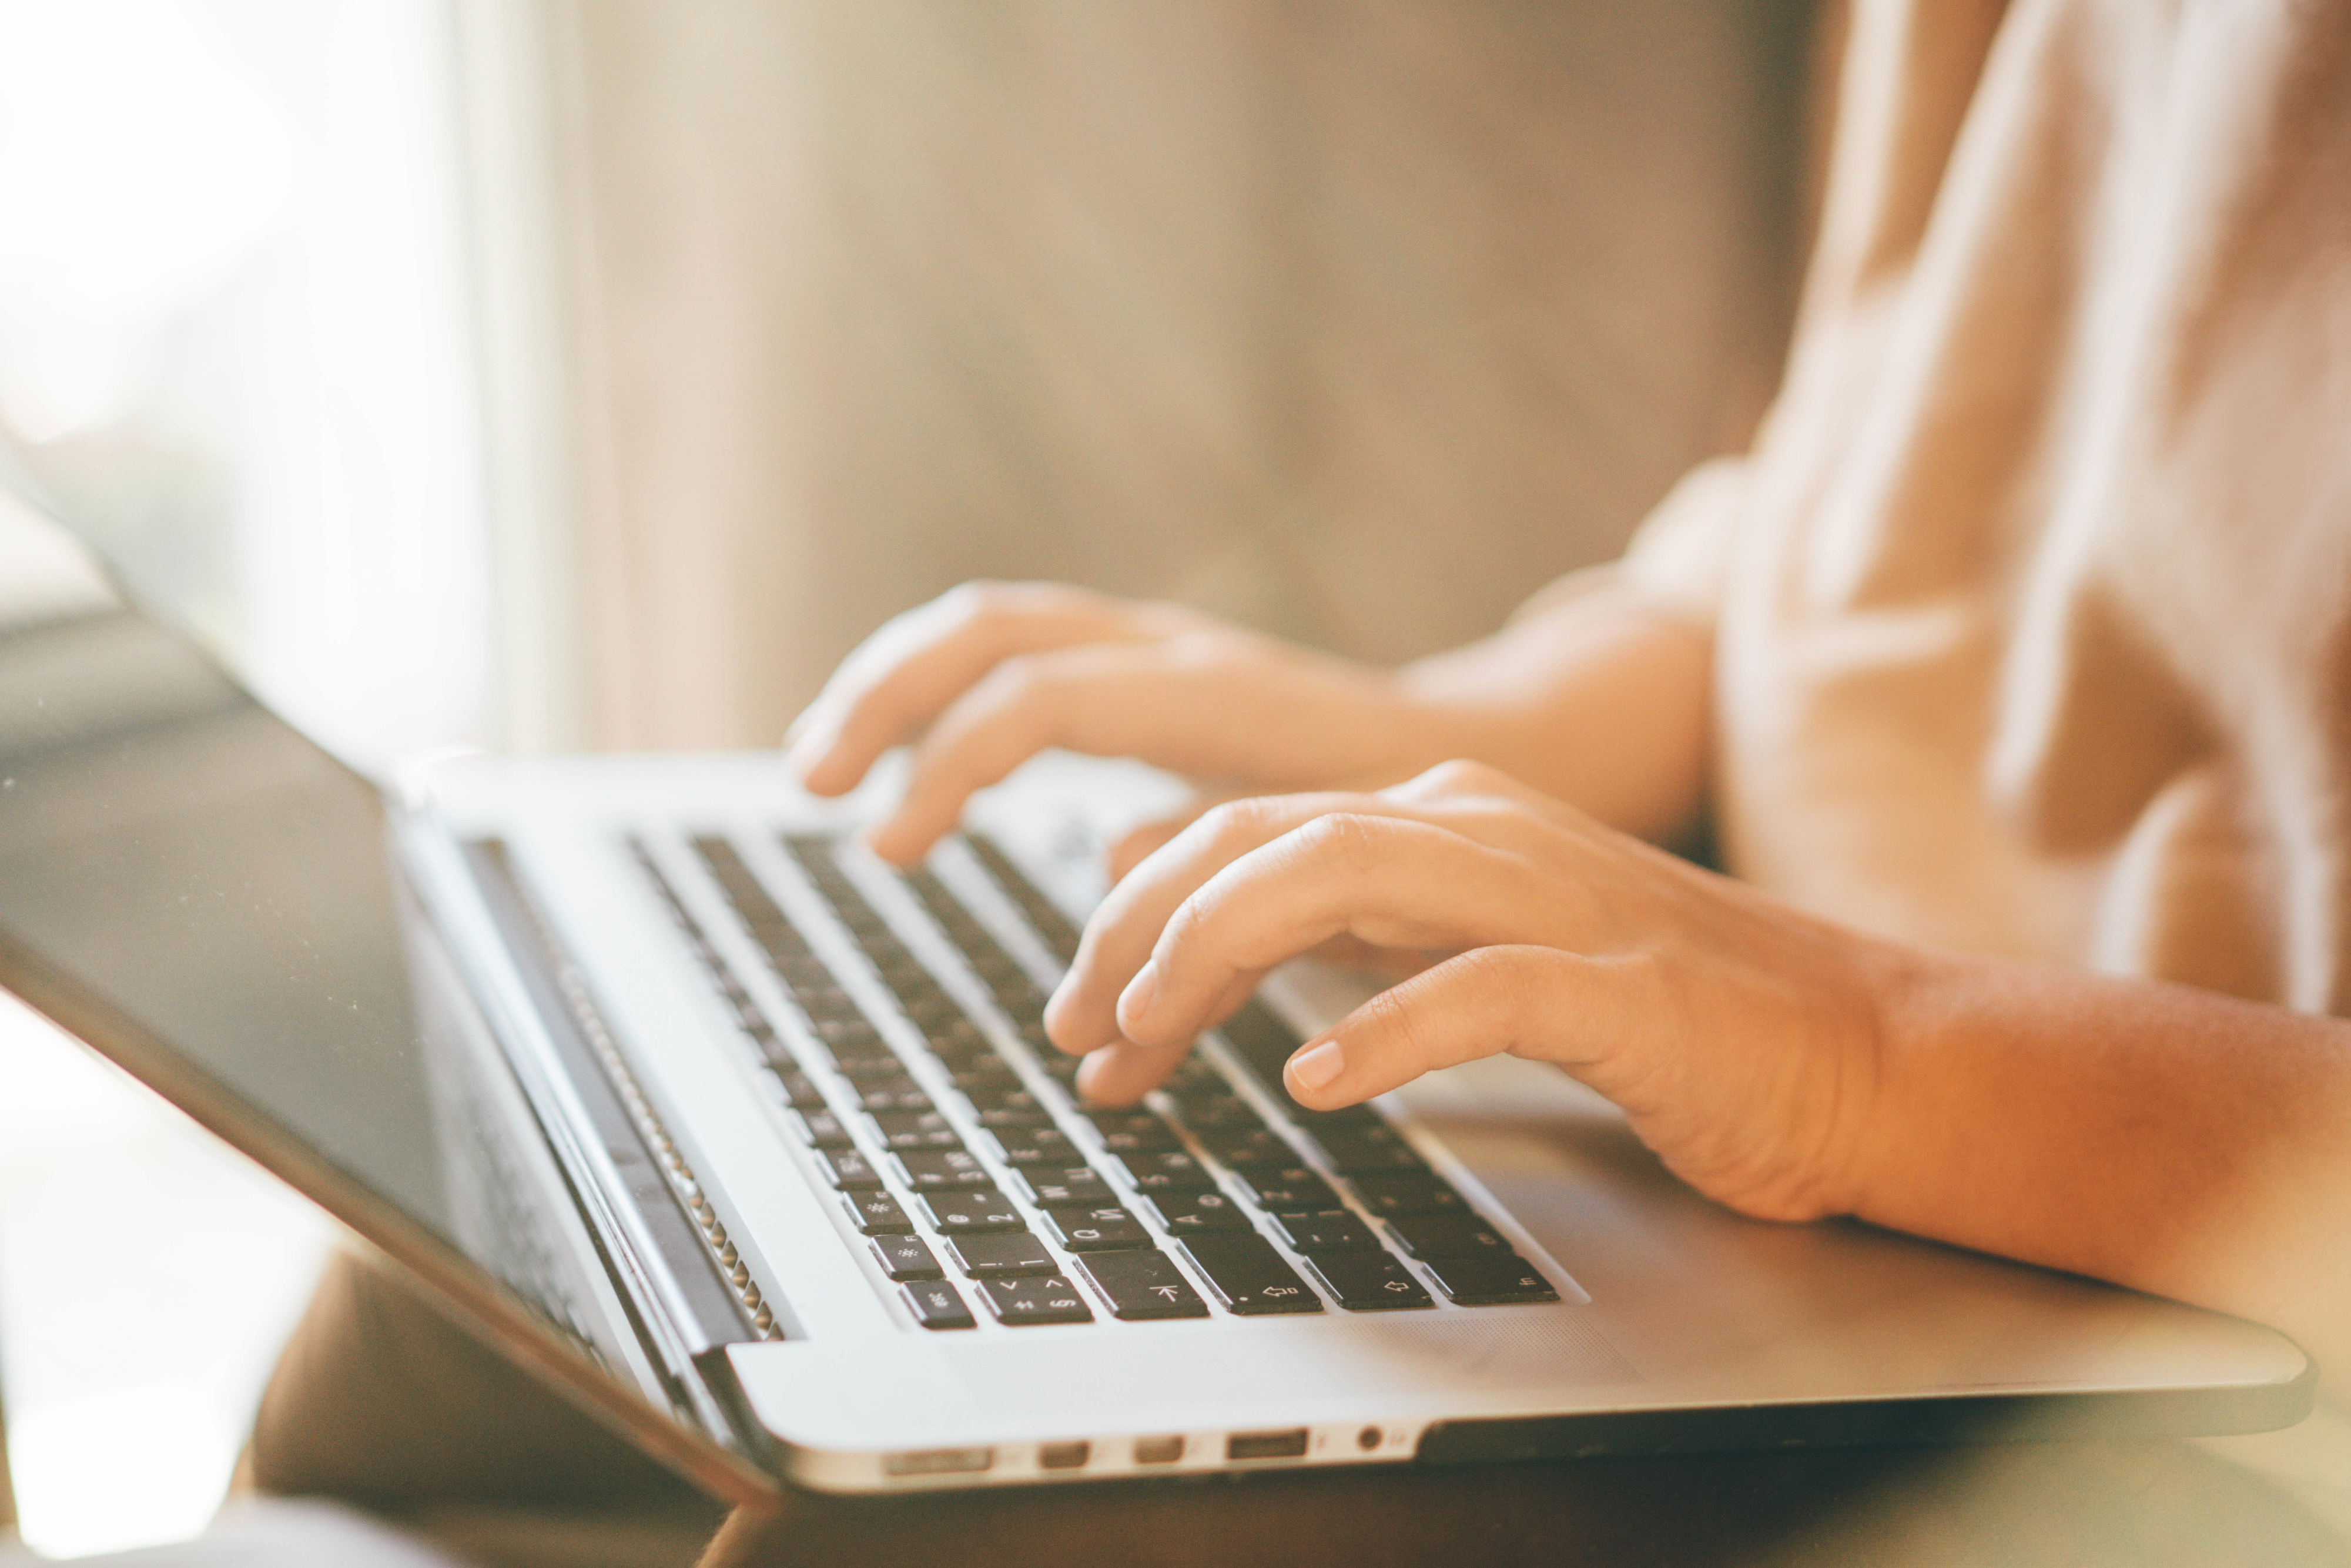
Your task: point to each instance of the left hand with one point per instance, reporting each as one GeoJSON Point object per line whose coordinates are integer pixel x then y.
{"type": "Point", "coordinates": [1740, 1036]}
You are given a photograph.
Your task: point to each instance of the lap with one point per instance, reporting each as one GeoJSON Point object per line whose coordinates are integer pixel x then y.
{"type": "Point", "coordinates": [379, 1400]}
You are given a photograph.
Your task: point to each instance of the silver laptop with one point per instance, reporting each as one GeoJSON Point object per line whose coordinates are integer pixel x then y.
{"type": "Point", "coordinates": [754, 1147]}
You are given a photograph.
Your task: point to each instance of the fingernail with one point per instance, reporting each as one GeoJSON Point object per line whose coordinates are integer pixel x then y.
{"type": "Point", "coordinates": [1318, 1065]}
{"type": "Point", "coordinates": [1135, 1002]}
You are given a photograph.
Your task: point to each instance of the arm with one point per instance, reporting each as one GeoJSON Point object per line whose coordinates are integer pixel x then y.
{"type": "Point", "coordinates": [2171, 1139]}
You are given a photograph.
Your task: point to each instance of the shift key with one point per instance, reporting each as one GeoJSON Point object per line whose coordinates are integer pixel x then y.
{"type": "Point", "coordinates": [1249, 1276]}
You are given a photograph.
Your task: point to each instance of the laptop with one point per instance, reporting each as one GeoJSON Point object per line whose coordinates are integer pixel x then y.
{"type": "Point", "coordinates": [753, 1145]}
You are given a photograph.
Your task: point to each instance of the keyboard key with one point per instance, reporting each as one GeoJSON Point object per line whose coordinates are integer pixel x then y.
{"type": "Point", "coordinates": [968, 1208]}
{"type": "Point", "coordinates": [1293, 1189]}
{"type": "Point", "coordinates": [1001, 1255]}
{"type": "Point", "coordinates": [898, 1093]}
{"type": "Point", "coordinates": [938, 1305]}
{"type": "Point", "coordinates": [1036, 1146]}
{"type": "Point", "coordinates": [1249, 1276]}
{"type": "Point", "coordinates": [914, 1130]}
{"type": "Point", "coordinates": [1406, 1192]}
{"type": "Point", "coordinates": [800, 1090]}
{"type": "Point", "coordinates": [1172, 1172]}
{"type": "Point", "coordinates": [1244, 1148]}
{"type": "Point", "coordinates": [1141, 1284]}
{"type": "Point", "coordinates": [821, 1130]}
{"type": "Point", "coordinates": [1369, 1282]}
{"type": "Point", "coordinates": [1100, 1229]}
{"type": "Point", "coordinates": [1198, 1213]}
{"type": "Point", "coordinates": [1050, 1300]}
{"type": "Point", "coordinates": [1052, 1186]}
{"type": "Point", "coordinates": [927, 1168]}
{"type": "Point", "coordinates": [1327, 1230]}
{"type": "Point", "coordinates": [1133, 1132]}
{"type": "Point", "coordinates": [1427, 1236]}
{"type": "Point", "coordinates": [1488, 1279]}
{"type": "Point", "coordinates": [905, 1258]}
{"type": "Point", "coordinates": [1262, 1040]}
{"type": "Point", "coordinates": [1216, 1107]}
{"type": "Point", "coordinates": [876, 1213]}
{"type": "Point", "coordinates": [847, 1170]}
{"type": "Point", "coordinates": [1378, 1148]}
{"type": "Point", "coordinates": [995, 1120]}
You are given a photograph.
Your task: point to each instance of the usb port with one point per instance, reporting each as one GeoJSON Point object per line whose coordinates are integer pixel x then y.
{"type": "Point", "coordinates": [1289, 1444]}
{"type": "Point", "coordinates": [1063, 1456]}
{"type": "Point", "coordinates": [1159, 1451]}
{"type": "Point", "coordinates": [938, 1462]}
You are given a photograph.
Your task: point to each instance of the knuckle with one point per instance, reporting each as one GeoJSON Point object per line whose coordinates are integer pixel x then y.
{"type": "Point", "coordinates": [1243, 820]}
{"type": "Point", "coordinates": [1351, 840]}
{"type": "Point", "coordinates": [1459, 776]}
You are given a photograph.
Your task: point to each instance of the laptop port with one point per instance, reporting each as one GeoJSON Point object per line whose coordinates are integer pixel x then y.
{"type": "Point", "coordinates": [1158, 1450]}
{"type": "Point", "coordinates": [1063, 1456]}
{"type": "Point", "coordinates": [938, 1461]}
{"type": "Point", "coordinates": [1289, 1444]}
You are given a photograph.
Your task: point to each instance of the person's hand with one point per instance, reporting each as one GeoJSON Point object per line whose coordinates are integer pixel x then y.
{"type": "Point", "coordinates": [1739, 1035]}
{"type": "Point", "coordinates": [991, 673]}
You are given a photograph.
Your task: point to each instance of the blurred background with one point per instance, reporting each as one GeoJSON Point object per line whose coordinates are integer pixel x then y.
{"type": "Point", "coordinates": [535, 374]}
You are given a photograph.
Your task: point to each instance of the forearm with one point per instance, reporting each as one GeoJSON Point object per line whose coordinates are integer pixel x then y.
{"type": "Point", "coordinates": [2166, 1138]}
{"type": "Point", "coordinates": [1603, 703]}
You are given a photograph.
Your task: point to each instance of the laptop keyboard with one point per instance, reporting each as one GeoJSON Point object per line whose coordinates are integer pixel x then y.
{"type": "Point", "coordinates": [985, 1187]}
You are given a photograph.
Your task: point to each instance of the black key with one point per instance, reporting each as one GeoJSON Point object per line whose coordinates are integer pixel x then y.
{"type": "Point", "coordinates": [1133, 1132]}
{"type": "Point", "coordinates": [1001, 1255]}
{"type": "Point", "coordinates": [1219, 1108]}
{"type": "Point", "coordinates": [1263, 1040]}
{"type": "Point", "coordinates": [1244, 1148]}
{"type": "Point", "coordinates": [968, 1208]}
{"type": "Point", "coordinates": [928, 1169]}
{"type": "Point", "coordinates": [914, 1130]}
{"type": "Point", "coordinates": [1291, 1190]}
{"type": "Point", "coordinates": [1065, 1185]}
{"type": "Point", "coordinates": [1172, 1172]}
{"type": "Point", "coordinates": [1369, 1282]}
{"type": "Point", "coordinates": [882, 1070]}
{"type": "Point", "coordinates": [1036, 1146]}
{"type": "Point", "coordinates": [1382, 1148]}
{"type": "Point", "coordinates": [938, 1305]}
{"type": "Point", "coordinates": [894, 1093]}
{"type": "Point", "coordinates": [1326, 1230]}
{"type": "Point", "coordinates": [1141, 1284]}
{"type": "Point", "coordinates": [799, 1087]}
{"type": "Point", "coordinates": [1428, 1236]}
{"type": "Point", "coordinates": [1249, 1276]}
{"type": "Point", "coordinates": [1195, 1213]}
{"type": "Point", "coordinates": [997, 1120]}
{"type": "Point", "coordinates": [1104, 1229]}
{"type": "Point", "coordinates": [1488, 1279]}
{"type": "Point", "coordinates": [851, 1039]}
{"type": "Point", "coordinates": [820, 1129]}
{"type": "Point", "coordinates": [876, 1213]}
{"type": "Point", "coordinates": [1008, 1094]}
{"type": "Point", "coordinates": [1406, 1192]}
{"type": "Point", "coordinates": [905, 1258]}
{"type": "Point", "coordinates": [847, 1170]}
{"type": "Point", "coordinates": [1048, 1300]}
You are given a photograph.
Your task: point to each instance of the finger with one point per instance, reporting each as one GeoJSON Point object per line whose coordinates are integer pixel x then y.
{"type": "Point", "coordinates": [1391, 881]}
{"type": "Point", "coordinates": [1082, 1013]}
{"type": "Point", "coordinates": [909, 671]}
{"type": "Point", "coordinates": [1170, 701]}
{"type": "Point", "coordinates": [1530, 1001]}
{"type": "Point", "coordinates": [1147, 839]}
{"type": "Point", "coordinates": [1121, 1072]}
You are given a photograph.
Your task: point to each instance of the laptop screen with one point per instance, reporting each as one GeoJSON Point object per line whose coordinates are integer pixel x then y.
{"type": "Point", "coordinates": [170, 849]}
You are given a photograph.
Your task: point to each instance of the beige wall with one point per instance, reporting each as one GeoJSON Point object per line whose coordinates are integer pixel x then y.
{"type": "Point", "coordinates": [1357, 322]}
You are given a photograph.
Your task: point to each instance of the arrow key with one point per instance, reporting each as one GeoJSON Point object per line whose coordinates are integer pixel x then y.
{"type": "Point", "coordinates": [1141, 1284]}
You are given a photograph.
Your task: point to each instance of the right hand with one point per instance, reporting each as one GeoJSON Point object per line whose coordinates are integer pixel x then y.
{"type": "Point", "coordinates": [988, 675]}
